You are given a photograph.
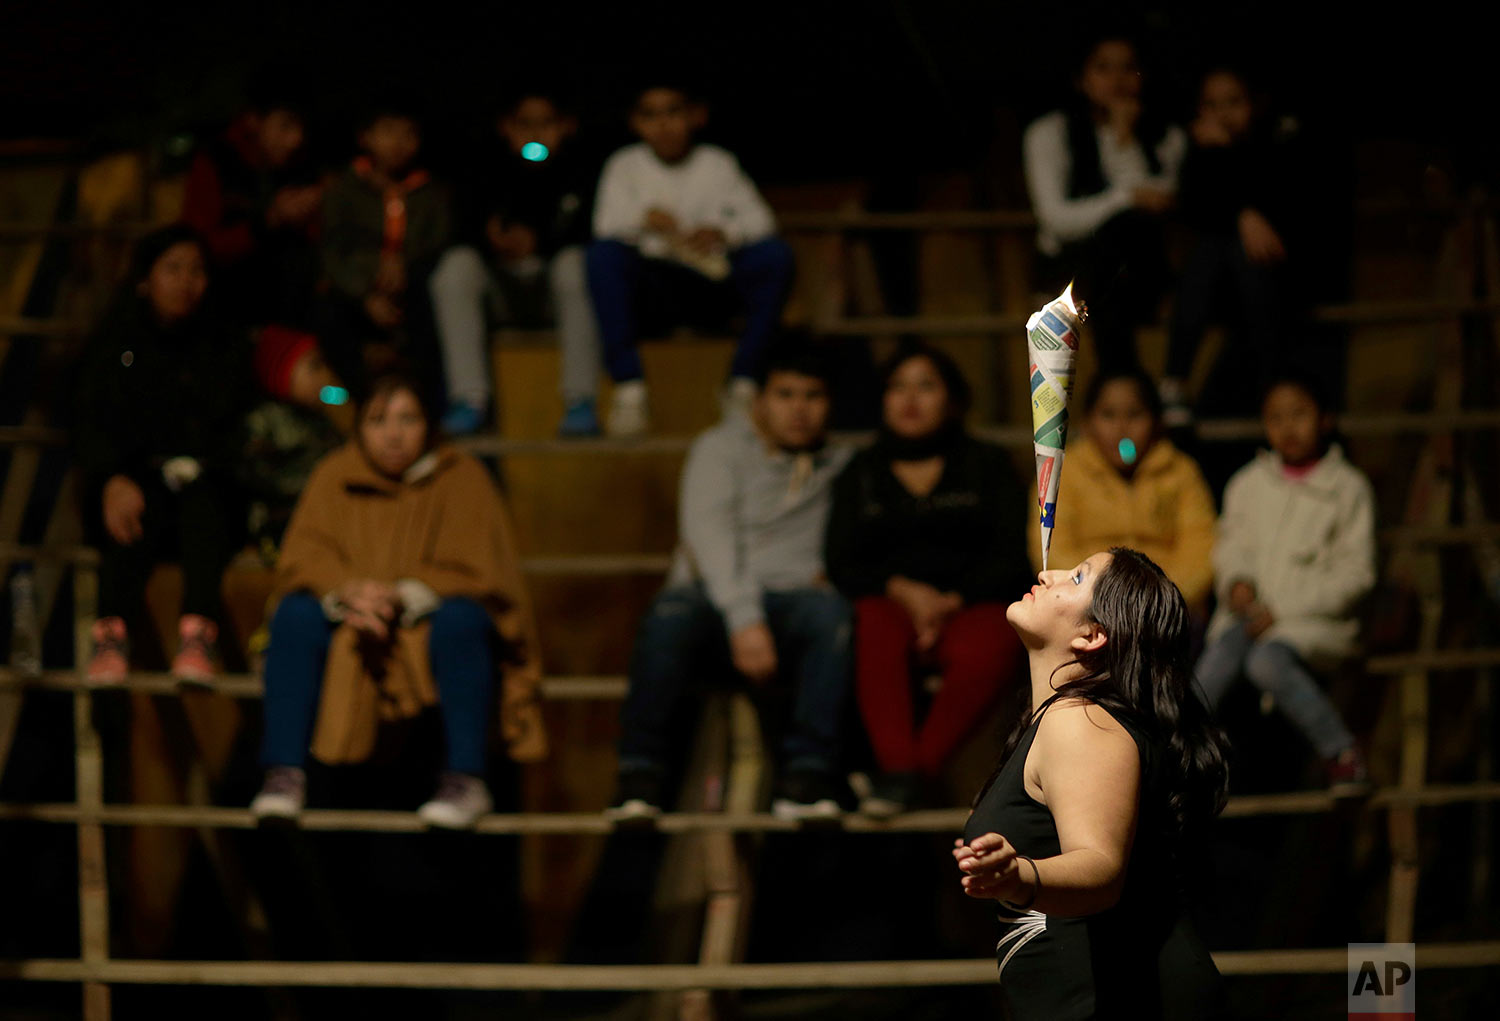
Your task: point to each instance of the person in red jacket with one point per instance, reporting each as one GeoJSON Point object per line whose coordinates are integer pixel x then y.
{"type": "Point", "coordinates": [254, 200]}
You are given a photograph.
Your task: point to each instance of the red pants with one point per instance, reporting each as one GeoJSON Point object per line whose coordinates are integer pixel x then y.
{"type": "Point", "coordinates": [978, 655]}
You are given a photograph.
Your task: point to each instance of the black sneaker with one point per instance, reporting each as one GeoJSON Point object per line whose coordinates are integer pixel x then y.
{"type": "Point", "coordinates": [890, 795]}
{"type": "Point", "coordinates": [640, 794]}
{"type": "Point", "coordinates": [806, 794]}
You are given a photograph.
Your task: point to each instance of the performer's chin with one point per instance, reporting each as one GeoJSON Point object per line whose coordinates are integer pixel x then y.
{"type": "Point", "coordinates": [1016, 611]}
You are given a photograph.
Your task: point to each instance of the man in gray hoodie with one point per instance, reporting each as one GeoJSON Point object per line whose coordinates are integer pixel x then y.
{"type": "Point", "coordinates": [747, 593]}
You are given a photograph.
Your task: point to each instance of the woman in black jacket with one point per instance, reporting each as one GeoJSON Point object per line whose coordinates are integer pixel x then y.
{"type": "Point", "coordinates": [163, 388]}
{"type": "Point", "coordinates": [926, 537]}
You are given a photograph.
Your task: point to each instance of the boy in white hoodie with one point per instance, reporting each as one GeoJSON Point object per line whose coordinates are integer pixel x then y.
{"type": "Point", "coordinates": [677, 222]}
{"type": "Point", "coordinates": [1294, 559]}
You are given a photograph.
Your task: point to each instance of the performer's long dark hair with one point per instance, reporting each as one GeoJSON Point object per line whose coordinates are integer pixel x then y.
{"type": "Point", "coordinates": [1144, 673]}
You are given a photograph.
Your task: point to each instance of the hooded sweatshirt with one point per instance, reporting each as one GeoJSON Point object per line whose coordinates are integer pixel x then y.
{"type": "Point", "coordinates": [1164, 510]}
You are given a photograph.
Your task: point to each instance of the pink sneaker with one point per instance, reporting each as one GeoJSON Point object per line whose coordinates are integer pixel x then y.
{"type": "Point", "coordinates": [197, 639]}
{"type": "Point", "coordinates": [111, 659]}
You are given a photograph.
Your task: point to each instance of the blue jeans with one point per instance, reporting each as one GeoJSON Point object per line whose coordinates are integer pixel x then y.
{"type": "Point", "coordinates": [1274, 667]}
{"type": "Point", "coordinates": [462, 658]}
{"type": "Point", "coordinates": [683, 639]}
{"type": "Point", "coordinates": [625, 285]}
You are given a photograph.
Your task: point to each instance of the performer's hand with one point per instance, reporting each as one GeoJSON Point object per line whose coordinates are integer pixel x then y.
{"type": "Point", "coordinates": [991, 870]}
{"type": "Point", "coordinates": [754, 652]}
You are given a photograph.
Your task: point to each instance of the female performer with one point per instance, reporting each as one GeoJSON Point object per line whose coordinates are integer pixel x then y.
{"type": "Point", "coordinates": [1079, 833]}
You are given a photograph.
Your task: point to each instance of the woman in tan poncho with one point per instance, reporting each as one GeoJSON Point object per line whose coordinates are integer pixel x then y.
{"type": "Point", "coordinates": [399, 588]}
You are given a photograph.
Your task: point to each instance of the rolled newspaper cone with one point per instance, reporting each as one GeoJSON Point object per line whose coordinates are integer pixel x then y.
{"type": "Point", "coordinates": [1052, 346]}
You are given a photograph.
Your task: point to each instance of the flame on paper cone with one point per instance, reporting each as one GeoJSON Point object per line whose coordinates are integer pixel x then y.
{"type": "Point", "coordinates": [1052, 347]}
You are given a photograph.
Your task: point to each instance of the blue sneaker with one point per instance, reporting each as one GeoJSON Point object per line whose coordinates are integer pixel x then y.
{"type": "Point", "coordinates": [579, 420]}
{"type": "Point", "coordinates": [463, 420]}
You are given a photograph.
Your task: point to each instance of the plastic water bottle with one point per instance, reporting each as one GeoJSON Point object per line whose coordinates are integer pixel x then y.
{"type": "Point", "coordinates": [25, 630]}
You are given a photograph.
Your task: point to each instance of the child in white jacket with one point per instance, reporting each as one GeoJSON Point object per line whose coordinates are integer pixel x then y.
{"type": "Point", "coordinates": [1295, 557]}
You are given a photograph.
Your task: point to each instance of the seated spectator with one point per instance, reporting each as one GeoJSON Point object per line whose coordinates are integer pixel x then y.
{"type": "Point", "coordinates": [399, 588]}
{"type": "Point", "coordinates": [254, 199]}
{"type": "Point", "coordinates": [1125, 484]}
{"type": "Point", "coordinates": [162, 390]}
{"type": "Point", "coordinates": [680, 225]}
{"type": "Point", "coordinates": [747, 592]}
{"type": "Point", "coordinates": [925, 539]}
{"type": "Point", "coordinates": [1238, 186]}
{"type": "Point", "coordinates": [1101, 172]}
{"type": "Point", "coordinates": [384, 225]}
{"type": "Point", "coordinates": [287, 434]}
{"type": "Point", "coordinates": [1294, 560]}
{"type": "Point", "coordinates": [522, 230]}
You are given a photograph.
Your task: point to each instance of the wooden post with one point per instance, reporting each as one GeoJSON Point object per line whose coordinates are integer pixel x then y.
{"type": "Point", "coordinates": [1431, 503]}
{"type": "Point", "coordinates": [93, 882]}
{"type": "Point", "coordinates": [726, 920]}
{"type": "Point", "coordinates": [683, 886]}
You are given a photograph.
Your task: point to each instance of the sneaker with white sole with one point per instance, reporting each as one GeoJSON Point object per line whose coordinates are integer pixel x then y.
{"type": "Point", "coordinates": [283, 794]}
{"type": "Point", "coordinates": [889, 795]}
{"type": "Point", "coordinates": [458, 803]}
{"type": "Point", "coordinates": [807, 794]}
{"type": "Point", "coordinates": [197, 649]}
{"type": "Point", "coordinates": [110, 662]}
{"type": "Point", "coordinates": [629, 410]}
{"type": "Point", "coordinates": [640, 795]}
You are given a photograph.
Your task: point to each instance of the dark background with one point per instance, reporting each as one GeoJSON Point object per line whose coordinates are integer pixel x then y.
{"type": "Point", "coordinates": [802, 90]}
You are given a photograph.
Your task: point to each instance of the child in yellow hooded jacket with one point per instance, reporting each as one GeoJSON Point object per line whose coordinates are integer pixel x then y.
{"type": "Point", "coordinates": [1125, 484]}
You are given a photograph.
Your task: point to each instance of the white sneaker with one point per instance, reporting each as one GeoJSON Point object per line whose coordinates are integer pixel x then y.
{"type": "Point", "coordinates": [629, 411]}
{"type": "Point", "coordinates": [282, 795]}
{"type": "Point", "coordinates": [458, 803]}
{"type": "Point", "coordinates": [737, 396]}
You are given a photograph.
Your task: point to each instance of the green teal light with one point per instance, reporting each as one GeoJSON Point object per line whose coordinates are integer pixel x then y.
{"type": "Point", "coordinates": [535, 152]}
{"type": "Point", "coordinates": [1127, 450]}
{"type": "Point", "coordinates": [334, 395]}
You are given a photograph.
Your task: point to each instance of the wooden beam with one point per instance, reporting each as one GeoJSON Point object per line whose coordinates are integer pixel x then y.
{"type": "Point", "coordinates": [593, 823]}
{"type": "Point", "coordinates": [651, 977]}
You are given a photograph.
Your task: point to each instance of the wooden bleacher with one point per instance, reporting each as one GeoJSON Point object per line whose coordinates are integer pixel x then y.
{"type": "Point", "coordinates": [592, 574]}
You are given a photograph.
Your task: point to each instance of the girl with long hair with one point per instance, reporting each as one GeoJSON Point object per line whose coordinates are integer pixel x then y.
{"type": "Point", "coordinates": [1080, 833]}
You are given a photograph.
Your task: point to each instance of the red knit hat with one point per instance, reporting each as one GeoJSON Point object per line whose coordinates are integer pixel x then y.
{"type": "Point", "coordinates": [277, 354]}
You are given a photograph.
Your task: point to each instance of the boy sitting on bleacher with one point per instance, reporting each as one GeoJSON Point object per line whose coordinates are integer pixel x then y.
{"type": "Point", "coordinates": [680, 224]}
{"type": "Point", "coordinates": [747, 592]}
{"type": "Point", "coordinates": [523, 221]}
{"type": "Point", "coordinates": [1295, 557]}
{"type": "Point", "coordinates": [254, 198]}
{"type": "Point", "coordinates": [384, 224]}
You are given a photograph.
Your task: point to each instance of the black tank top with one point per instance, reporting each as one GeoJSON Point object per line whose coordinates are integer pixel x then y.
{"type": "Point", "coordinates": [1139, 958]}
